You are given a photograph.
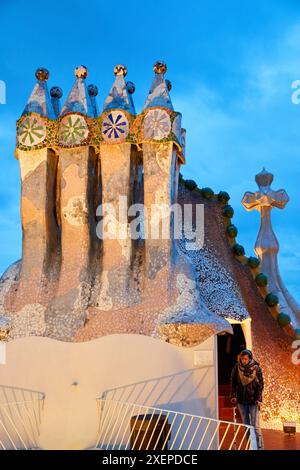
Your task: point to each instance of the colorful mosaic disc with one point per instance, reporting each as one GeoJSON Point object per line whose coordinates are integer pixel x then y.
{"type": "Point", "coordinates": [115, 126]}
{"type": "Point", "coordinates": [73, 130]}
{"type": "Point", "coordinates": [157, 124]}
{"type": "Point", "coordinates": [31, 131]}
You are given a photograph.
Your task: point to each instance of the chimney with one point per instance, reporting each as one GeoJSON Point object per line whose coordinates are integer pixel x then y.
{"type": "Point", "coordinates": [118, 158]}
{"type": "Point", "coordinates": [38, 165]}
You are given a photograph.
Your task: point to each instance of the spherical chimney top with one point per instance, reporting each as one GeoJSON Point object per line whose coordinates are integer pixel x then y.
{"type": "Point", "coordinates": [159, 67]}
{"type": "Point", "coordinates": [120, 69]}
{"type": "Point", "coordinates": [56, 92]}
{"type": "Point", "coordinates": [42, 74]}
{"type": "Point", "coordinates": [92, 90]}
{"type": "Point", "coordinates": [264, 178]}
{"type": "Point", "coordinates": [130, 87]}
{"type": "Point", "coordinates": [81, 71]}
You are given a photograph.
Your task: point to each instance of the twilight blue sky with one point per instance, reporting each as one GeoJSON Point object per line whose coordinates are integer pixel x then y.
{"type": "Point", "coordinates": [231, 64]}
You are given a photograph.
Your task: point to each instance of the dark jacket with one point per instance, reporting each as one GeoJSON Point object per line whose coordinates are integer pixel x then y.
{"type": "Point", "coordinates": [246, 394]}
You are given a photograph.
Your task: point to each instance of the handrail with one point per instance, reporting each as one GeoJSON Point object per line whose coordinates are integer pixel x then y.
{"type": "Point", "coordinates": [20, 423]}
{"type": "Point", "coordinates": [42, 397]}
{"type": "Point", "coordinates": [124, 425]}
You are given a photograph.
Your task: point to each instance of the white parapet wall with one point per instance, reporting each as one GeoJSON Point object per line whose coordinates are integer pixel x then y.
{"type": "Point", "coordinates": [130, 368]}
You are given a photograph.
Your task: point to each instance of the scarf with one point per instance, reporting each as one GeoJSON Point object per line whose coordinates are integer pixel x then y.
{"type": "Point", "coordinates": [247, 373]}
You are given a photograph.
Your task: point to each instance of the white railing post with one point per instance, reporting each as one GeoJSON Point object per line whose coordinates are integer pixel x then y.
{"type": "Point", "coordinates": [19, 424]}
{"type": "Point", "coordinates": [123, 419]}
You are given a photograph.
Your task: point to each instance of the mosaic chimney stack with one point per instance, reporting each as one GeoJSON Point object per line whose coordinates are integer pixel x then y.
{"type": "Point", "coordinates": [266, 245]}
{"type": "Point", "coordinates": [38, 164]}
{"type": "Point", "coordinates": [77, 186]}
{"type": "Point", "coordinates": [118, 159]}
{"type": "Point", "coordinates": [161, 166]}
{"type": "Point", "coordinates": [83, 273]}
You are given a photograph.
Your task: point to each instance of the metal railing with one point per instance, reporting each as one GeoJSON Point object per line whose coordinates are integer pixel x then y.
{"type": "Point", "coordinates": [130, 426]}
{"type": "Point", "coordinates": [20, 423]}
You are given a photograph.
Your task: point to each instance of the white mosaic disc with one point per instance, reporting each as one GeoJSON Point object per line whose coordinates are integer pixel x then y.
{"type": "Point", "coordinates": [157, 124]}
{"type": "Point", "coordinates": [73, 130]}
{"type": "Point", "coordinates": [115, 126]}
{"type": "Point", "coordinates": [31, 131]}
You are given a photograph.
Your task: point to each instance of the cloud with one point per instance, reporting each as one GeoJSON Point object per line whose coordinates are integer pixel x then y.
{"type": "Point", "coordinates": [230, 140]}
{"type": "Point", "coordinates": [270, 75]}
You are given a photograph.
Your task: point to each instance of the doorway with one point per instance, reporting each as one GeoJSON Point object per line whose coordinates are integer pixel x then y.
{"type": "Point", "coordinates": [229, 346]}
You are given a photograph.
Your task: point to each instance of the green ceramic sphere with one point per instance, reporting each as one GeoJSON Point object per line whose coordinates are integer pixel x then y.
{"type": "Point", "coordinates": [238, 250]}
{"type": "Point", "coordinates": [228, 211]}
{"type": "Point", "coordinates": [283, 319]}
{"type": "Point", "coordinates": [190, 184]}
{"type": "Point", "coordinates": [272, 300]}
{"type": "Point", "coordinates": [232, 231]}
{"type": "Point", "coordinates": [223, 197]}
{"type": "Point", "coordinates": [261, 280]}
{"type": "Point", "coordinates": [207, 193]}
{"type": "Point", "coordinates": [253, 262]}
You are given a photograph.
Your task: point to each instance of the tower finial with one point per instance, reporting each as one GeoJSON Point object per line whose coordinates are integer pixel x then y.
{"type": "Point", "coordinates": [160, 67]}
{"type": "Point", "coordinates": [267, 245]}
{"type": "Point", "coordinates": [158, 95]}
{"type": "Point", "coordinates": [120, 95]}
{"type": "Point", "coordinates": [120, 69]}
{"type": "Point", "coordinates": [81, 71]}
{"type": "Point", "coordinates": [79, 100]}
{"type": "Point", "coordinates": [42, 74]}
{"type": "Point", "coordinates": [39, 101]}
{"type": "Point", "coordinates": [264, 179]}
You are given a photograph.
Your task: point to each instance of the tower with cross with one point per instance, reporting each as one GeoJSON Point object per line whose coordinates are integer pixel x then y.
{"type": "Point", "coordinates": [266, 245]}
